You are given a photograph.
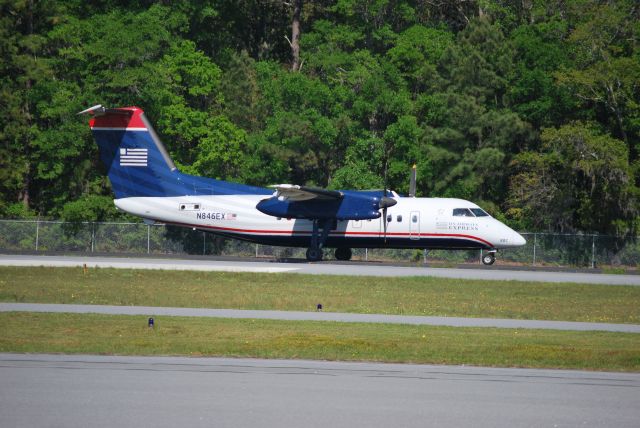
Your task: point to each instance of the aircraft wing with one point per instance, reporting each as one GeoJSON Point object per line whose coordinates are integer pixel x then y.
{"type": "Point", "coordinates": [291, 201]}
{"type": "Point", "coordinates": [293, 192]}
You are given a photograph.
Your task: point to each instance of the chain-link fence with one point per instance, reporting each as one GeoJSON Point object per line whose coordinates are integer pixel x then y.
{"type": "Point", "coordinates": [542, 249]}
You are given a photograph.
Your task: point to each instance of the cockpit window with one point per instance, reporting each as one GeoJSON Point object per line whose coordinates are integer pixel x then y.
{"type": "Point", "coordinates": [479, 212]}
{"type": "Point", "coordinates": [462, 212]}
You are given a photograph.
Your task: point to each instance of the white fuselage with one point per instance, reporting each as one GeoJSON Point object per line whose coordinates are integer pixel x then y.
{"type": "Point", "coordinates": [414, 223]}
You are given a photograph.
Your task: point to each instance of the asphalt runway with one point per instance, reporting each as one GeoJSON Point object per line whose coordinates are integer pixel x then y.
{"type": "Point", "coordinates": [104, 391]}
{"type": "Point", "coordinates": [155, 311]}
{"type": "Point", "coordinates": [324, 268]}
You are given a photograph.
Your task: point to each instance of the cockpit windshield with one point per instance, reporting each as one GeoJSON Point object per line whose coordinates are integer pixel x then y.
{"type": "Point", "coordinates": [479, 212]}
{"type": "Point", "coordinates": [462, 212]}
{"type": "Point", "coordinates": [469, 212]}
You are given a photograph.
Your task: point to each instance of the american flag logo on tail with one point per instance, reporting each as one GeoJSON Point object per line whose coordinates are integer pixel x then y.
{"type": "Point", "coordinates": [133, 157]}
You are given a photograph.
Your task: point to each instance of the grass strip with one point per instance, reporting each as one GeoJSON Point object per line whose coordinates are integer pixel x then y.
{"type": "Point", "coordinates": [129, 335]}
{"type": "Point", "coordinates": [269, 291]}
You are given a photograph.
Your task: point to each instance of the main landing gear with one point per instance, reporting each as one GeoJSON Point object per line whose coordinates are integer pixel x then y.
{"type": "Point", "coordinates": [319, 236]}
{"type": "Point", "coordinates": [343, 253]}
{"type": "Point", "coordinates": [314, 254]}
{"type": "Point", "coordinates": [318, 239]}
{"type": "Point", "coordinates": [489, 258]}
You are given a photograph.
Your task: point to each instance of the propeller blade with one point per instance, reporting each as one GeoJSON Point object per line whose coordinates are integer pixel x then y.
{"type": "Point", "coordinates": [386, 202]}
{"type": "Point", "coordinates": [384, 220]}
{"type": "Point", "coordinates": [386, 168]}
{"type": "Point", "coordinates": [412, 182]}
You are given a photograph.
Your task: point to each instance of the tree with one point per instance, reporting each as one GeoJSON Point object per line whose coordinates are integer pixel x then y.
{"type": "Point", "coordinates": [470, 132]}
{"type": "Point", "coordinates": [295, 35]}
{"type": "Point", "coordinates": [23, 67]}
{"type": "Point", "coordinates": [580, 180]}
{"type": "Point", "coordinates": [541, 51]}
{"type": "Point", "coordinates": [606, 73]}
{"type": "Point", "coordinates": [416, 53]}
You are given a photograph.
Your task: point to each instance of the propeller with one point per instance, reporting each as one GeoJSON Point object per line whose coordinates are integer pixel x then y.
{"type": "Point", "coordinates": [385, 201]}
{"type": "Point", "coordinates": [412, 182]}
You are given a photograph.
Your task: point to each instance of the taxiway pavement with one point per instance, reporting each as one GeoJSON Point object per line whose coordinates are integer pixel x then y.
{"type": "Point", "coordinates": [106, 391]}
{"type": "Point", "coordinates": [156, 311]}
{"type": "Point", "coordinates": [353, 268]}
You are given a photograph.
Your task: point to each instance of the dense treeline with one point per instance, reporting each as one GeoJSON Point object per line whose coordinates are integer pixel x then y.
{"type": "Point", "coordinates": [530, 108]}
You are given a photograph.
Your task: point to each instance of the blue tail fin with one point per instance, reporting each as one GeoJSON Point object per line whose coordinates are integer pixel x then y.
{"type": "Point", "coordinates": [139, 165]}
{"type": "Point", "coordinates": [136, 160]}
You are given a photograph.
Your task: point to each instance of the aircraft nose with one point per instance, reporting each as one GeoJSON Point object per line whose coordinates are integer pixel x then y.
{"type": "Point", "coordinates": [518, 239]}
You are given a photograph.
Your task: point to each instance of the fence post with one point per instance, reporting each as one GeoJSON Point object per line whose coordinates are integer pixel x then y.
{"type": "Point", "coordinates": [366, 254]}
{"type": "Point", "coordinates": [37, 232]}
{"type": "Point", "coordinates": [535, 242]}
{"type": "Point", "coordinates": [256, 251]}
{"type": "Point", "coordinates": [593, 251]}
{"type": "Point", "coordinates": [93, 235]}
{"type": "Point", "coordinates": [148, 238]}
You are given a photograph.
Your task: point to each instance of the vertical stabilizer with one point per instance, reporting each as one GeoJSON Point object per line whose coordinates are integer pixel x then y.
{"type": "Point", "coordinates": [138, 165]}
{"type": "Point", "coordinates": [136, 160]}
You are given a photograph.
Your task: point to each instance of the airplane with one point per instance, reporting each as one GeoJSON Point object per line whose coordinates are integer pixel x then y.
{"type": "Point", "coordinates": [147, 184]}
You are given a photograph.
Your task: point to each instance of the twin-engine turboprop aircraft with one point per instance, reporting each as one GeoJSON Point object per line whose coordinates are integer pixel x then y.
{"type": "Point", "coordinates": [147, 184]}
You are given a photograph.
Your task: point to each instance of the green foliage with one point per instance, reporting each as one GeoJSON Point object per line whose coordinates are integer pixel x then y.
{"type": "Point", "coordinates": [541, 50]}
{"type": "Point", "coordinates": [494, 101]}
{"type": "Point", "coordinates": [605, 73]}
{"type": "Point", "coordinates": [220, 152]}
{"type": "Point", "coordinates": [89, 208]}
{"type": "Point", "coordinates": [581, 179]}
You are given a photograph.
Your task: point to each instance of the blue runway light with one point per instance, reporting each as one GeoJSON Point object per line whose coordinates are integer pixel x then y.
{"type": "Point", "coordinates": [151, 323]}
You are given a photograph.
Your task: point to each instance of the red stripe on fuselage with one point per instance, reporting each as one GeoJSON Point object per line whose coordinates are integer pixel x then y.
{"type": "Point", "coordinates": [334, 232]}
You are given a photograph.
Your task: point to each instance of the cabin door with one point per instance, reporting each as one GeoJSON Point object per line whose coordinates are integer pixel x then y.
{"type": "Point", "coordinates": [414, 225]}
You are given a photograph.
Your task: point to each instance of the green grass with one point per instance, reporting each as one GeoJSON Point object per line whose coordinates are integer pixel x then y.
{"type": "Point", "coordinates": [129, 335]}
{"type": "Point", "coordinates": [414, 296]}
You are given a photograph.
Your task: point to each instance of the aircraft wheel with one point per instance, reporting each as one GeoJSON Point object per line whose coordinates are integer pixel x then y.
{"type": "Point", "coordinates": [489, 258]}
{"type": "Point", "coordinates": [314, 254]}
{"type": "Point", "coordinates": [343, 253]}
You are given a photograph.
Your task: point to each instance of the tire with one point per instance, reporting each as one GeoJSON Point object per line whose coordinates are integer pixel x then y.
{"type": "Point", "coordinates": [488, 259]}
{"type": "Point", "coordinates": [343, 253]}
{"type": "Point", "coordinates": [314, 254]}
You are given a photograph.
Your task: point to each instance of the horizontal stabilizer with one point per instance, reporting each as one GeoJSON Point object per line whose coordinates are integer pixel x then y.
{"type": "Point", "coordinates": [99, 110]}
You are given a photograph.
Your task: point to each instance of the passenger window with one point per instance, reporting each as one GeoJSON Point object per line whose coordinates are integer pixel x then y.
{"type": "Point", "coordinates": [399, 218]}
{"type": "Point", "coordinates": [414, 219]}
{"type": "Point", "coordinates": [389, 218]}
{"type": "Point", "coordinates": [189, 207]}
{"type": "Point", "coordinates": [462, 212]}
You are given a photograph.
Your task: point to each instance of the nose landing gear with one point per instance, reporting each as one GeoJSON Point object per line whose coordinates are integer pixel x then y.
{"type": "Point", "coordinates": [489, 258]}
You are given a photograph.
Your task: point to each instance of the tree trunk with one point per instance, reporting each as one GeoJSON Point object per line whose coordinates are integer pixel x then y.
{"type": "Point", "coordinates": [24, 196]}
{"type": "Point", "coordinates": [615, 108]}
{"type": "Point", "coordinates": [295, 35]}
